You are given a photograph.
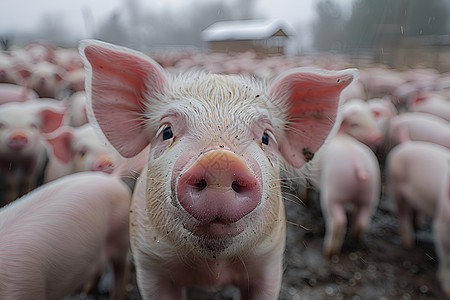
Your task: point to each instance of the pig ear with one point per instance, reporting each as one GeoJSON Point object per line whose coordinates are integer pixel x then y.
{"type": "Point", "coordinates": [51, 119]}
{"type": "Point", "coordinates": [310, 99]}
{"type": "Point", "coordinates": [118, 81]}
{"type": "Point", "coordinates": [61, 144]}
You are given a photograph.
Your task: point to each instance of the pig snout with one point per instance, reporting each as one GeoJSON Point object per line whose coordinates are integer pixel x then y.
{"type": "Point", "coordinates": [375, 138]}
{"type": "Point", "coordinates": [17, 140]}
{"type": "Point", "coordinates": [218, 188]}
{"type": "Point", "coordinates": [103, 164]}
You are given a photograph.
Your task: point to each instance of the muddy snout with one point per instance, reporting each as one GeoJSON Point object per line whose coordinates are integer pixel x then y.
{"type": "Point", "coordinates": [219, 188]}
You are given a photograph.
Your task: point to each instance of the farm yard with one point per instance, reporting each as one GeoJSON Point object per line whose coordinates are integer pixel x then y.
{"type": "Point", "coordinates": [376, 267]}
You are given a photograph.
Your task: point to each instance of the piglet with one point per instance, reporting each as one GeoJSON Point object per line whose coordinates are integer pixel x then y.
{"type": "Point", "coordinates": [23, 149]}
{"type": "Point", "coordinates": [46, 79]}
{"type": "Point", "coordinates": [418, 180]}
{"type": "Point", "coordinates": [432, 104]}
{"type": "Point", "coordinates": [349, 174]}
{"type": "Point", "coordinates": [76, 150]}
{"type": "Point", "coordinates": [418, 126]}
{"type": "Point", "coordinates": [15, 93]}
{"type": "Point", "coordinates": [59, 238]}
{"type": "Point", "coordinates": [208, 209]}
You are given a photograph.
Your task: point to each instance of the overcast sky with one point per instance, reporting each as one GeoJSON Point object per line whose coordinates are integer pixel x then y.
{"type": "Point", "coordinates": [24, 15]}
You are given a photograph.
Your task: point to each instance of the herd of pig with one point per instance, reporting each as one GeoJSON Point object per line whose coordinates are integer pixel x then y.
{"type": "Point", "coordinates": [108, 157]}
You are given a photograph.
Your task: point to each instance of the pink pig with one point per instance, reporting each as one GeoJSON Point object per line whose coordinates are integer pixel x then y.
{"type": "Point", "coordinates": [432, 104]}
{"type": "Point", "coordinates": [15, 93]}
{"type": "Point", "coordinates": [23, 150]}
{"type": "Point", "coordinates": [46, 79]}
{"type": "Point", "coordinates": [208, 210]}
{"type": "Point", "coordinates": [349, 174]}
{"type": "Point", "coordinates": [417, 126]}
{"type": "Point", "coordinates": [419, 181]}
{"type": "Point", "coordinates": [59, 238]}
{"type": "Point", "coordinates": [76, 150]}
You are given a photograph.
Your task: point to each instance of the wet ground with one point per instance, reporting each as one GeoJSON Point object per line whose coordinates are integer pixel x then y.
{"type": "Point", "coordinates": [378, 267]}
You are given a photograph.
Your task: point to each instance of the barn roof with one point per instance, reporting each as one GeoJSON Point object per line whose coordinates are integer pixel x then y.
{"type": "Point", "coordinates": [243, 30]}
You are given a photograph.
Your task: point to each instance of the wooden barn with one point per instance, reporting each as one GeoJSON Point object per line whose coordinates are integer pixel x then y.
{"type": "Point", "coordinates": [266, 37]}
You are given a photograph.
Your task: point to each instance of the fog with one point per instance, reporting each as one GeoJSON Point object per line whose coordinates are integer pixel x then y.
{"type": "Point", "coordinates": [353, 27]}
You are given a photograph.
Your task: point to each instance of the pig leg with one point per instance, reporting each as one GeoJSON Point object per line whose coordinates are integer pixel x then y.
{"type": "Point", "coordinates": [121, 266]}
{"type": "Point", "coordinates": [405, 220]}
{"type": "Point", "coordinates": [336, 227]}
{"type": "Point", "coordinates": [364, 210]}
{"type": "Point", "coordinates": [154, 287]}
{"type": "Point", "coordinates": [442, 244]}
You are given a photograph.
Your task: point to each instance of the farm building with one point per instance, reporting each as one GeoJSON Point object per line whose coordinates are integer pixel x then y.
{"type": "Point", "coordinates": [262, 36]}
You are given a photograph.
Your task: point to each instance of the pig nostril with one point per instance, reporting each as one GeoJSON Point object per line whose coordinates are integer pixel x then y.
{"type": "Point", "coordinates": [237, 187]}
{"type": "Point", "coordinates": [200, 185]}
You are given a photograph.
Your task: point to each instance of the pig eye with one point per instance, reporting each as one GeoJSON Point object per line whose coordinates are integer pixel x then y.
{"type": "Point", "coordinates": [167, 134]}
{"type": "Point", "coordinates": [265, 138]}
{"type": "Point", "coordinates": [82, 151]}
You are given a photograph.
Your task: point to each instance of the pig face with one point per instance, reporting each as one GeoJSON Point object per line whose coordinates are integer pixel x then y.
{"type": "Point", "coordinates": [216, 163]}
{"type": "Point", "coordinates": [217, 144]}
{"type": "Point", "coordinates": [81, 149]}
{"type": "Point", "coordinates": [21, 126]}
{"type": "Point", "coordinates": [358, 121]}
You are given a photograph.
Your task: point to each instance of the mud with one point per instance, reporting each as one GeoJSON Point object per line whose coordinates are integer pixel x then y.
{"type": "Point", "coordinates": [377, 267]}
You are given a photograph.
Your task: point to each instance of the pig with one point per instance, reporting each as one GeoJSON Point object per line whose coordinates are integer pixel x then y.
{"type": "Point", "coordinates": [418, 127]}
{"type": "Point", "coordinates": [418, 181]}
{"type": "Point", "coordinates": [432, 104]}
{"type": "Point", "coordinates": [76, 109]}
{"type": "Point", "coordinates": [359, 122]}
{"type": "Point", "coordinates": [57, 239]}
{"type": "Point", "coordinates": [346, 171]}
{"type": "Point", "coordinates": [8, 70]}
{"type": "Point", "coordinates": [350, 174]}
{"type": "Point", "coordinates": [46, 79]}
{"type": "Point", "coordinates": [383, 111]}
{"type": "Point", "coordinates": [207, 209]}
{"type": "Point", "coordinates": [441, 228]}
{"type": "Point", "coordinates": [15, 93]}
{"type": "Point", "coordinates": [76, 150]}
{"type": "Point", "coordinates": [23, 149]}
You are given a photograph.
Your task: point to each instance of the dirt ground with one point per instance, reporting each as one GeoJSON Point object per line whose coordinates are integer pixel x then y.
{"type": "Point", "coordinates": [378, 267]}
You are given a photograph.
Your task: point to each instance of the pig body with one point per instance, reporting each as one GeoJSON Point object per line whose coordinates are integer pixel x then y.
{"type": "Point", "coordinates": [15, 93]}
{"type": "Point", "coordinates": [76, 109]}
{"type": "Point", "coordinates": [419, 127]}
{"type": "Point", "coordinates": [433, 104]}
{"type": "Point", "coordinates": [76, 150]}
{"type": "Point", "coordinates": [418, 175]}
{"type": "Point", "coordinates": [208, 211]}
{"type": "Point", "coordinates": [60, 237]}
{"type": "Point", "coordinates": [23, 149]}
{"type": "Point", "coordinates": [349, 175]}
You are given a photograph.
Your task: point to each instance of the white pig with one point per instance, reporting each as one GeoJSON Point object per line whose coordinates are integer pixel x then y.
{"type": "Point", "coordinates": [432, 104]}
{"type": "Point", "coordinates": [417, 126]}
{"type": "Point", "coordinates": [418, 180]}
{"type": "Point", "coordinates": [76, 109]}
{"type": "Point", "coordinates": [349, 175]}
{"type": "Point", "coordinates": [23, 149]}
{"type": "Point", "coordinates": [208, 210]}
{"type": "Point", "coordinates": [59, 238]}
{"type": "Point", "coordinates": [76, 150]}
{"type": "Point", "coordinates": [46, 79]}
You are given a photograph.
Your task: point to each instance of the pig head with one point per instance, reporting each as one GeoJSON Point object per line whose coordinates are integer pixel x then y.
{"type": "Point", "coordinates": [208, 209]}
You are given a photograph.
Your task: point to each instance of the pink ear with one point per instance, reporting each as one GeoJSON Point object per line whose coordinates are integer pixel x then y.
{"type": "Point", "coordinates": [51, 119]}
{"type": "Point", "coordinates": [311, 98]}
{"type": "Point", "coordinates": [62, 144]}
{"type": "Point", "coordinates": [118, 81]}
